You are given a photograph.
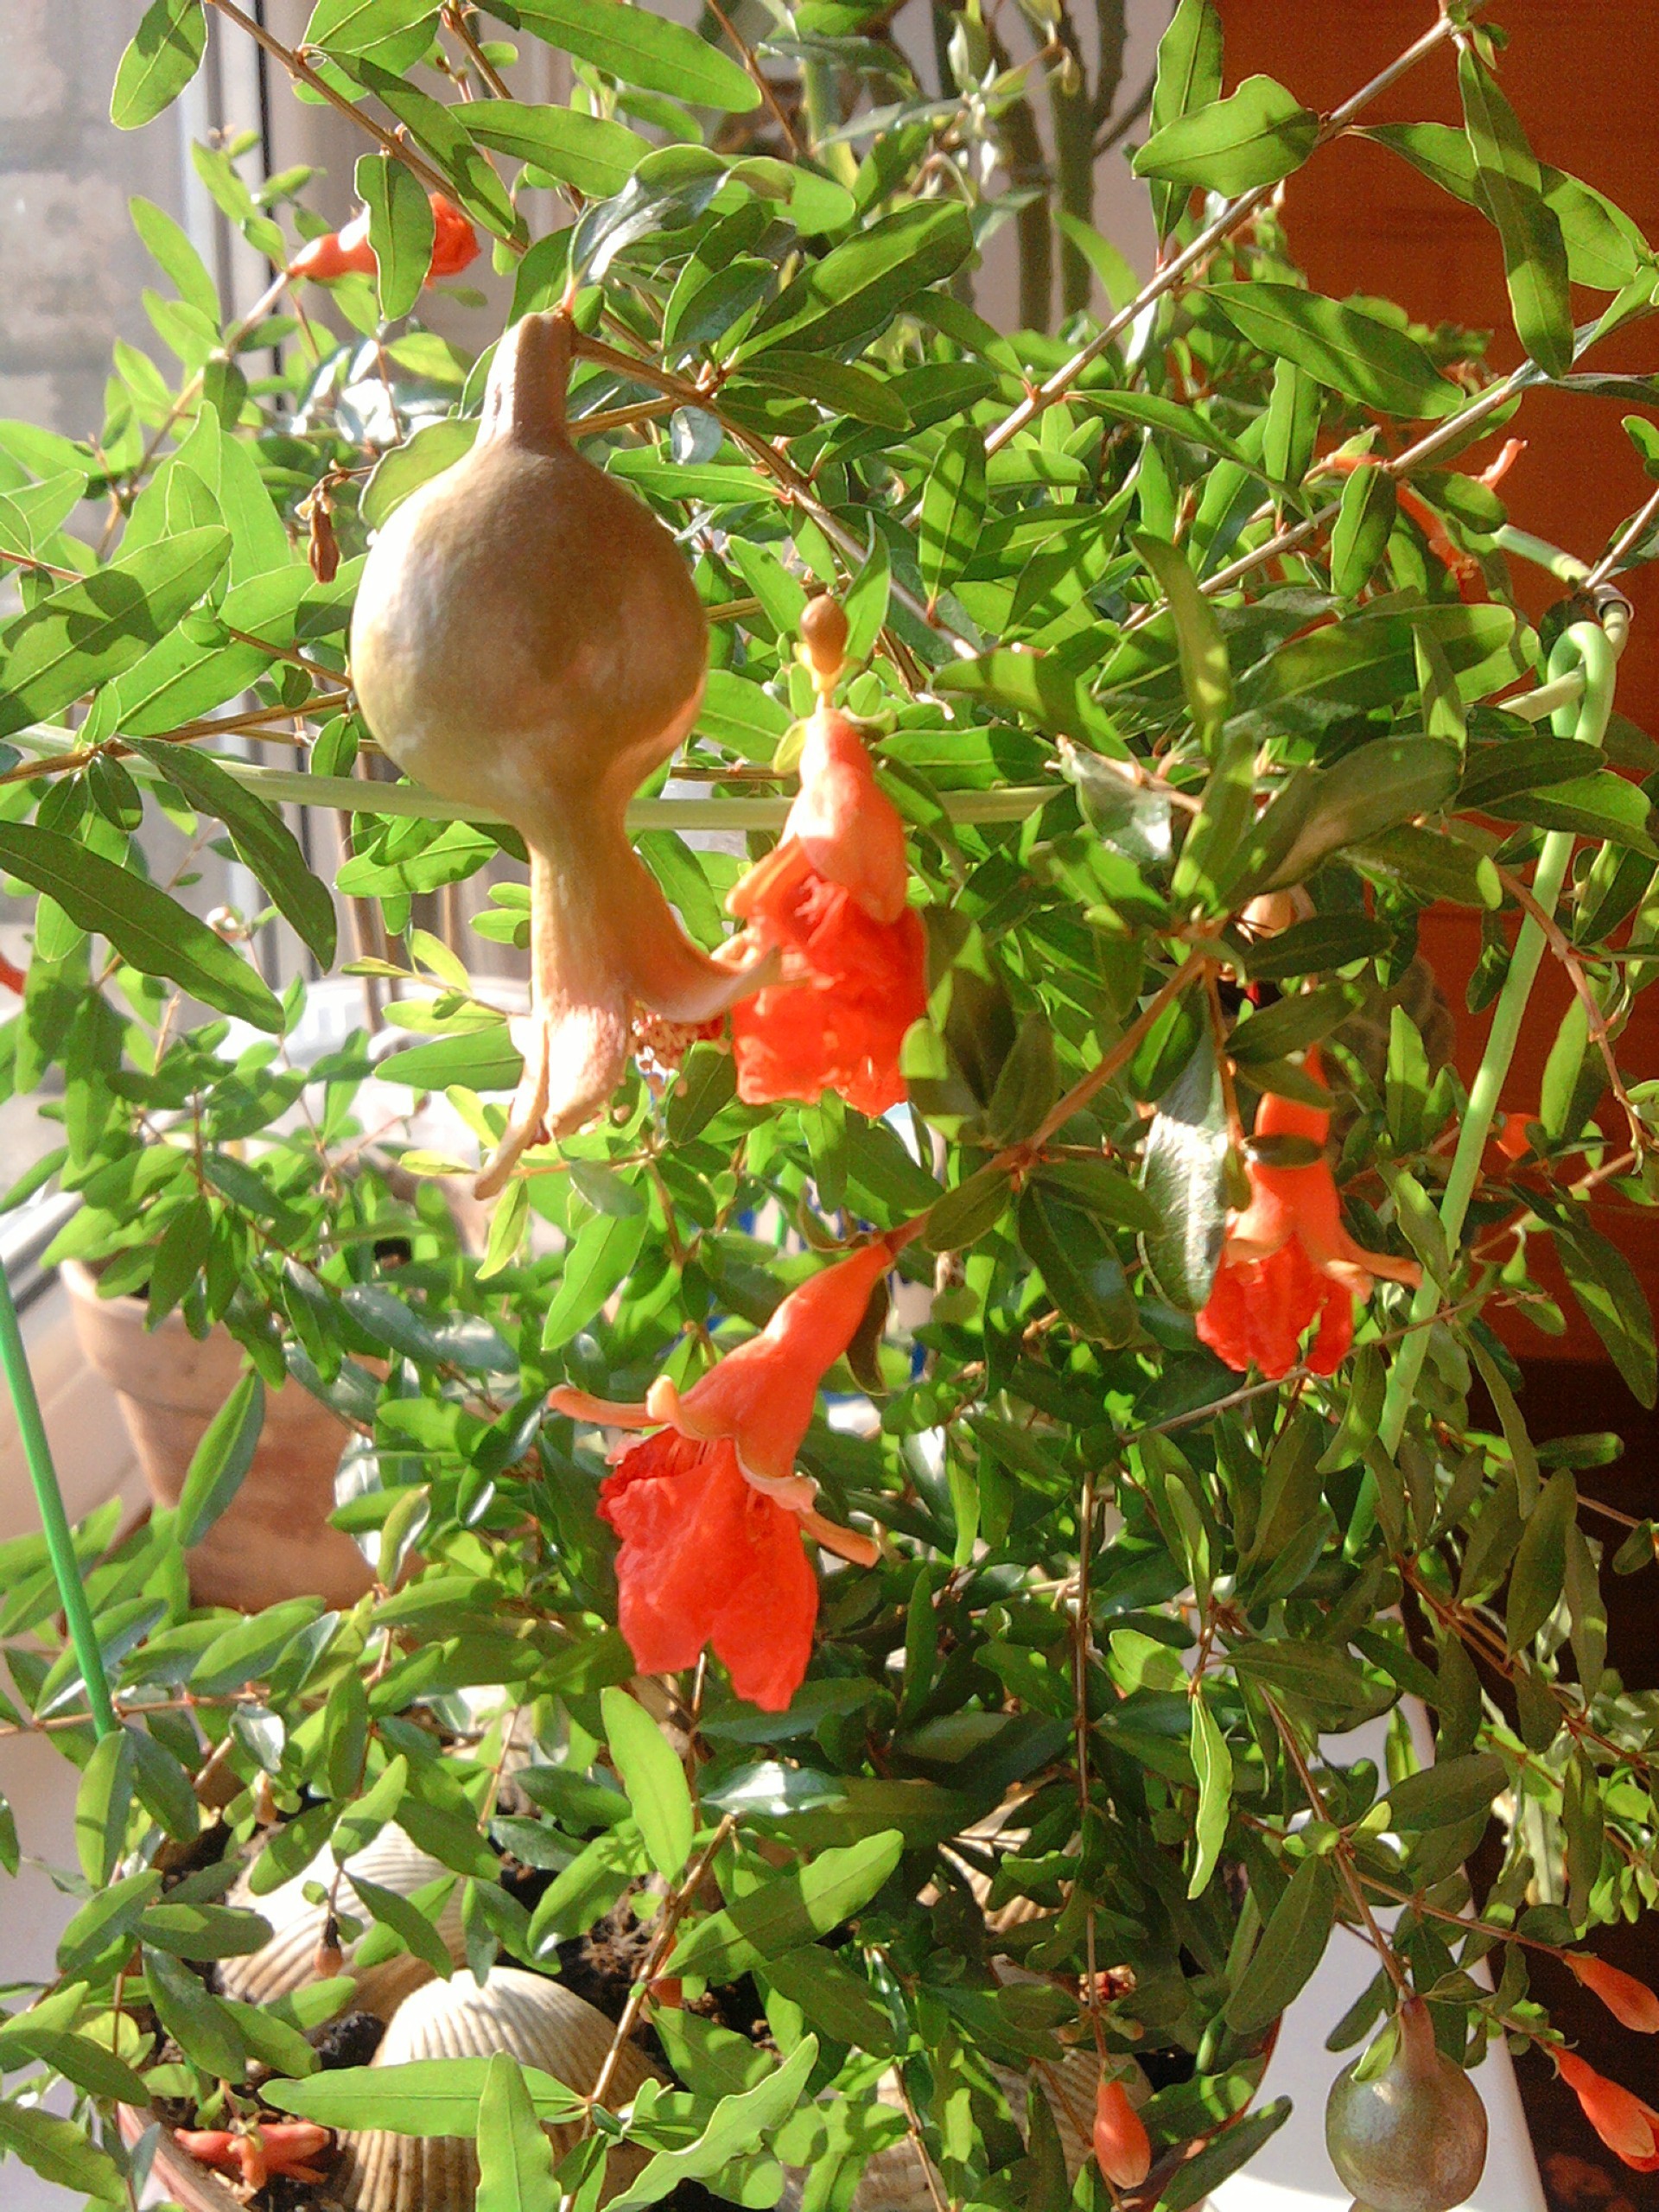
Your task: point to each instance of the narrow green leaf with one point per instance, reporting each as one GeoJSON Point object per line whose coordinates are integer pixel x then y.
{"type": "Point", "coordinates": [82, 634]}
{"type": "Point", "coordinates": [641, 47]}
{"type": "Point", "coordinates": [1189, 77]}
{"type": "Point", "coordinates": [103, 1803]}
{"type": "Point", "coordinates": [595, 1263]}
{"type": "Point", "coordinates": [855, 290]}
{"type": "Point", "coordinates": [203, 2028]}
{"type": "Point", "coordinates": [1540, 1568]}
{"type": "Point", "coordinates": [1079, 1267]}
{"type": "Point", "coordinates": [423, 2097]}
{"type": "Point", "coordinates": [738, 2125]}
{"type": "Point", "coordinates": [1352, 352]}
{"type": "Point", "coordinates": [1291, 1946]}
{"type": "Point", "coordinates": [164, 56]}
{"type": "Point", "coordinates": [58, 2152]}
{"type": "Point", "coordinates": [1609, 1291]}
{"type": "Point", "coordinates": [1256, 135]}
{"type": "Point", "coordinates": [654, 1781]}
{"type": "Point", "coordinates": [222, 1458]}
{"type": "Point", "coordinates": [263, 840]}
{"type": "Point", "coordinates": [953, 509]}
{"type": "Point", "coordinates": [515, 2158]}
{"type": "Point", "coordinates": [1183, 1174]}
{"type": "Point", "coordinates": [353, 27]}
{"type": "Point", "coordinates": [592, 153]}
{"type": "Point", "coordinates": [1510, 189]}
{"type": "Point", "coordinates": [789, 1911]}
{"type": "Point", "coordinates": [149, 931]}
{"type": "Point", "coordinates": [1213, 1764]}
{"type": "Point", "coordinates": [402, 228]}
{"type": "Point", "coordinates": [1360, 536]}
{"type": "Point", "coordinates": [1206, 677]}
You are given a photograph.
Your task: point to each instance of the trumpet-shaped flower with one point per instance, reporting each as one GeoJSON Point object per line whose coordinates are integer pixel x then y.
{"type": "Point", "coordinates": [1631, 2003]}
{"type": "Point", "coordinates": [830, 900]}
{"type": "Point", "coordinates": [1287, 1263]}
{"type": "Point", "coordinates": [710, 1508]}
{"type": "Point", "coordinates": [1628, 2127]}
{"type": "Point", "coordinates": [347, 252]}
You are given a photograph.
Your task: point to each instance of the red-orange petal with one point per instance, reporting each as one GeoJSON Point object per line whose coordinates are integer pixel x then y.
{"type": "Point", "coordinates": [1630, 2001]}
{"type": "Point", "coordinates": [708, 1560]}
{"type": "Point", "coordinates": [1625, 2125]}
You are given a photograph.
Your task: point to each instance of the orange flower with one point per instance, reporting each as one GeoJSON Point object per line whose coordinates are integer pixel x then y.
{"type": "Point", "coordinates": [1630, 2002]}
{"type": "Point", "coordinates": [831, 899]}
{"type": "Point", "coordinates": [1122, 2148]}
{"type": "Point", "coordinates": [339, 253]}
{"type": "Point", "coordinates": [710, 1508]}
{"type": "Point", "coordinates": [286, 2146]}
{"type": "Point", "coordinates": [1625, 2125]}
{"type": "Point", "coordinates": [1288, 1263]}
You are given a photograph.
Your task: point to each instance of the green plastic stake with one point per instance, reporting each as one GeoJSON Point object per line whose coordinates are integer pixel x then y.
{"type": "Point", "coordinates": [1586, 646]}
{"type": "Point", "coordinates": [60, 1544]}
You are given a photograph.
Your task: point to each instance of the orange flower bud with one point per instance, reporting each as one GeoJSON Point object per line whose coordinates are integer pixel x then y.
{"type": "Point", "coordinates": [1630, 2001]}
{"type": "Point", "coordinates": [1123, 2147]}
{"type": "Point", "coordinates": [1628, 2127]}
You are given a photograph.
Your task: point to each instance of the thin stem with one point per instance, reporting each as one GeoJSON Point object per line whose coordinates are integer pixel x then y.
{"type": "Point", "coordinates": [1588, 644]}
{"type": "Point", "coordinates": [1622, 544]}
{"type": "Point", "coordinates": [763, 83]}
{"type": "Point", "coordinates": [303, 74]}
{"type": "Point", "coordinates": [1344, 1851]}
{"type": "Point", "coordinates": [455, 19]}
{"type": "Point", "coordinates": [54, 1520]}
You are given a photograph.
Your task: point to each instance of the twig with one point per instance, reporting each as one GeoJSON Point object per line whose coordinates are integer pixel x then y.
{"type": "Point", "coordinates": [1342, 1852]}
{"type": "Point", "coordinates": [763, 83]}
{"type": "Point", "coordinates": [455, 20]}
{"type": "Point", "coordinates": [1232, 218]}
{"type": "Point", "coordinates": [1558, 942]}
{"type": "Point", "coordinates": [1622, 544]}
{"type": "Point", "coordinates": [303, 74]}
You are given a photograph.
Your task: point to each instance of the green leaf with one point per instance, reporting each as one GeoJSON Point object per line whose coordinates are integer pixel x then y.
{"type": "Point", "coordinates": [204, 1931]}
{"type": "Point", "coordinates": [737, 2125]}
{"type": "Point", "coordinates": [1360, 536]}
{"type": "Point", "coordinates": [588, 151]}
{"type": "Point", "coordinates": [58, 2152]}
{"type": "Point", "coordinates": [1599, 805]}
{"type": "Point", "coordinates": [402, 228]}
{"type": "Point", "coordinates": [1355, 353]}
{"type": "Point", "coordinates": [1206, 677]}
{"type": "Point", "coordinates": [1213, 1764]}
{"type": "Point", "coordinates": [834, 1998]}
{"type": "Point", "coordinates": [82, 634]}
{"type": "Point", "coordinates": [1451, 1791]}
{"type": "Point", "coordinates": [789, 1911]}
{"type": "Point", "coordinates": [953, 509]}
{"type": "Point", "coordinates": [1183, 1174]}
{"type": "Point", "coordinates": [363, 1819]}
{"type": "Point", "coordinates": [1610, 1292]}
{"type": "Point", "coordinates": [1320, 811]}
{"type": "Point", "coordinates": [654, 1781]}
{"type": "Point", "coordinates": [103, 1803]}
{"type": "Point", "coordinates": [1291, 1946]}
{"type": "Point", "coordinates": [164, 56]}
{"type": "Point", "coordinates": [222, 1458]}
{"type": "Point", "coordinates": [1510, 189]}
{"type": "Point", "coordinates": [1189, 77]}
{"type": "Point", "coordinates": [203, 2028]}
{"type": "Point", "coordinates": [353, 27]}
{"type": "Point", "coordinates": [856, 290]}
{"type": "Point", "coordinates": [1079, 1266]}
{"type": "Point", "coordinates": [424, 2097]}
{"type": "Point", "coordinates": [515, 2158]}
{"type": "Point", "coordinates": [404, 468]}
{"type": "Point", "coordinates": [594, 1264]}
{"type": "Point", "coordinates": [1367, 660]}
{"type": "Point", "coordinates": [415, 1926]}
{"type": "Point", "coordinates": [263, 840]}
{"type": "Point", "coordinates": [839, 388]}
{"type": "Point", "coordinates": [149, 931]}
{"type": "Point", "coordinates": [1540, 1568]}
{"type": "Point", "coordinates": [1256, 135]}
{"type": "Point", "coordinates": [1195, 2178]}
{"type": "Point", "coordinates": [642, 48]}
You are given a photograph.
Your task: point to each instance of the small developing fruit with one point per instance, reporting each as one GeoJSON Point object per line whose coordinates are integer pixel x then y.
{"type": "Point", "coordinates": [527, 640]}
{"type": "Point", "coordinates": [1412, 2136]}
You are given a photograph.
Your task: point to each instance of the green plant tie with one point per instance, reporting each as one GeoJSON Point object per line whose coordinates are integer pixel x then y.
{"type": "Point", "coordinates": [60, 1544]}
{"type": "Point", "coordinates": [1583, 649]}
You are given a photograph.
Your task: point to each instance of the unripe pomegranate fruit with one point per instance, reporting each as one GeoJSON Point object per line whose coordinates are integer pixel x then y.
{"type": "Point", "coordinates": [527, 640]}
{"type": "Point", "coordinates": [1413, 2137]}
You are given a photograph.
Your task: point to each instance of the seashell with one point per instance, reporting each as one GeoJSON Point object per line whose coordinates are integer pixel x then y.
{"type": "Point", "coordinates": [541, 2023]}
{"type": "Point", "coordinates": [288, 1961]}
{"type": "Point", "coordinates": [896, 2179]}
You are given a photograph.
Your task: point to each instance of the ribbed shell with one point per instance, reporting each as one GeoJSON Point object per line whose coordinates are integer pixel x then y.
{"type": "Point", "coordinates": [540, 2024]}
{"type": "Point", "coordinates": [893, 2180]}
{"type": "Point", "coordinates": [288, 1961]}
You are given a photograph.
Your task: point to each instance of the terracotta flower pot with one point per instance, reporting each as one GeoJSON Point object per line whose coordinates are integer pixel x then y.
{"type": "Point", "coordinates": [273, 1541]}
